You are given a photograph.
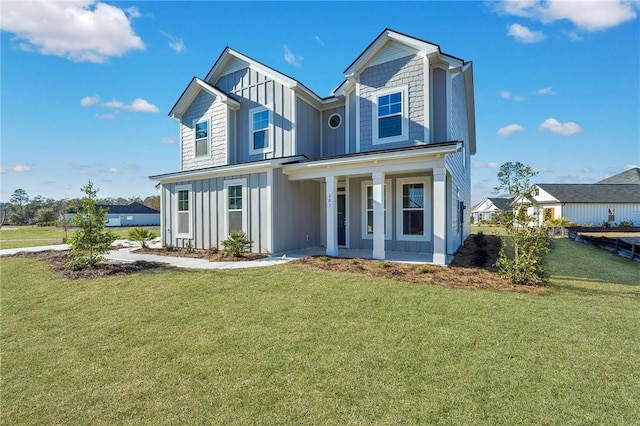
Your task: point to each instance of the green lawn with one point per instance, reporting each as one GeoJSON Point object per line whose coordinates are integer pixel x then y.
{"type": "Point", "coordinates": [31, 236]}
{"type": "Point", "coordinates": [283, 345]}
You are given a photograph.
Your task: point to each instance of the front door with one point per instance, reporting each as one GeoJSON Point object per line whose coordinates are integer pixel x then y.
{"type": "Point", "coordinates": [341, 220]}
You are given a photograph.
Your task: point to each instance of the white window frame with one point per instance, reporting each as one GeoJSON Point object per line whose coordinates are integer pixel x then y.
{"type": "Point", "coordinates": [189, 189]}
{"type": "Point", "coordinates": [270, 132]}
{"type": "Point", "coordinates": [611, 211]}
{"type": "Point", "coordinates": [227, 184]}
{"type": "Point", "coordinates": [404, 136]}
{"type": "Point", "coordinates": [387, 196]}
{"type": "Point", "coordinates": [427, 208]}
{"type": "Point", "coordinates": [335, 114]}
{"type": "Point", "coordinates": [208, 138]}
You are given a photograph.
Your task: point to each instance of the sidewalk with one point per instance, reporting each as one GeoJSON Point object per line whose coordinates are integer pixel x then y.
{"type": "Point", "coordinates": [125, 255]}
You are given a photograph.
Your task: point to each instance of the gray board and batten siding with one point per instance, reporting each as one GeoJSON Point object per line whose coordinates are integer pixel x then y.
{"type": "Point", "coordinates": [254, 89]}
{"type": "Point", "coordinates": [207, 209]}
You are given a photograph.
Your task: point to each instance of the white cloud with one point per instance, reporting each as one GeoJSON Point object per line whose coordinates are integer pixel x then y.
{"type": "Point", "coordinates": [319, 40]}
{"type": "Point", "coordinates": [493, 165]}
{"type": "Point", "coordinates": [133, 12]}
{"type": "Point", "coordinates": [3, 170]}
{"type": "Point", "coordinates": [572, 35]}
{"type": "Point", "coordinates": [631, 166]}
{"type": "Point", "coordinates": [292, 58]}
{"type": "Point", "coordinates": [545, 91]}
{"type": "Point", "coordinates": [505, 94]}
{"type": "Point", "coordinates": [113, 170]}
{"type": "Point", "coordinates": [21, 168]}
{"type": "Point", "coordinates": [524, 34]}
{"type": "Point", "coordinates": [137, 105]}
{"type": "Point", "coordinates": [588, 15]}
{"type": "Point", "coordinates": [586, 169]}
{"type": "Point", "coordinates": [82, 30]}
{"type": "Point", "coordinates": [507, 131]}
{"type": "Point", "coordinates": [565, 129]}
{"type": "Point", "coordinates": [176, 44]}
{"type": "Point", "coordinates": [89, 100]}
{"type": "Point", "coordinates": [106, 116]}
{"type": "Point", "coordinates": [168, 140]}
{"type": "Point", "coordinates": [490, 165]}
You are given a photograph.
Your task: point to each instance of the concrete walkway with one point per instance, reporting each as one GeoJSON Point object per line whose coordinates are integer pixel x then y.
{"type": "Point", "coordinates": [125, 255]}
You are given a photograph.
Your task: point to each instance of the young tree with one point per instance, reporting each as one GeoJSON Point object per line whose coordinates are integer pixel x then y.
{"type": "Point", "coordinates": [91, 240]}
{"type": "Point", "coordinates": [527, 242]}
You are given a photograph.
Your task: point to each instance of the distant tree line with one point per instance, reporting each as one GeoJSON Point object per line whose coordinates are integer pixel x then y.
{"type": "Point", "coordinates": [24, 210]}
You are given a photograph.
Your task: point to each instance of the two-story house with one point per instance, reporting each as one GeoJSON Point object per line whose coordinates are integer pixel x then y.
{"type": "Point", "coordinates": [383, 164]}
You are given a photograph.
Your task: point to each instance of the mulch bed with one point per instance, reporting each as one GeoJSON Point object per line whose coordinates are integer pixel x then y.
{"type": "Point", "coordinates": [464, 271]}
{"type": "Point", "coordinates": [211, 255]}
{"type": "Point", "coordinates": [56, 260]}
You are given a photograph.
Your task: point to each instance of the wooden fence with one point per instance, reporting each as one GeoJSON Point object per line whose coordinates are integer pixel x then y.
{"type": "Point", "coordinates": [624, 247]}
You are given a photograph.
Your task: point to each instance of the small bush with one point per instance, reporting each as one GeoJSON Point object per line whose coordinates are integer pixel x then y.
{"type": "Point", "coordinates": [384, 265]}
{"type": "Point", "coordinates": [189, 247]}
{"type": "Point", "coordinates": [626, 224]}
{"type": "Point", "coordinates": [323, 258]}
{"type": "Point", "coordinates": [237, 243]}
{"type": "Point", "coordinates": [141, 235]}
{"type": "Point", "coordinates": [423, 270]}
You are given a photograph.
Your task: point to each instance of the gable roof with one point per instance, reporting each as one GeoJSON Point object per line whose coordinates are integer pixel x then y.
{"type": "Point", "coordinates": [131, 208]}
{"type": "Point", "coordinates": [631, 176]}
{"type": "Point", "coordinates": [228, 55]}
{"type": "Point", "coordinates": [192, 90]}
{"type": "Point", "coordinates": [593, 193]}
{"type": "Point", "coordinates": [501, 203]}
{"type": "Point", "coordinates": [388, 35]}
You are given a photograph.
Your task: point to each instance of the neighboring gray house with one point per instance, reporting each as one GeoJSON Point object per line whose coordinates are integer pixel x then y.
{"type": "Point", "coordinates": [382, 164]}
{"type": "Point", "coordinates": [491, 208]}
{"type": "Point", "coordinates": [132, 214]}
{"type": "Point", "coordinates": [612, 200]}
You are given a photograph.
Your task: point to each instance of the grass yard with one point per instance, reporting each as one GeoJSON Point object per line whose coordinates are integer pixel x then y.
{"type": "Point", "coordinates": [31, 236]}
{"type": "Point", "coordinates": [284, 345]}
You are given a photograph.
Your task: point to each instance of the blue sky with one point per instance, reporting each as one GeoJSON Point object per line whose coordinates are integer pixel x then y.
{"type": "Point", "coordinates": [86, 86]}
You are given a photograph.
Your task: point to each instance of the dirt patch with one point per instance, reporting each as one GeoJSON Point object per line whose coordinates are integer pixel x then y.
{"type": "Point", "coordinates": [56, 260]}
{"type": "Point", "coordinates": [211, 255]}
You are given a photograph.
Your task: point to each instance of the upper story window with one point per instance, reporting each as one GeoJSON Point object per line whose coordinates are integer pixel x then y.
{"type": "Point", "coordinates": [201, 130]}
{"type": "Point", "coordinates": [390, 115]}
{"type": "Point", "coordinates": [260, 125]}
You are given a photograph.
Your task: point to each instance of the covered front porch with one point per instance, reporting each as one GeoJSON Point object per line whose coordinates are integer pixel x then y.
{"type": "Point", "coordinates": [387, 205]}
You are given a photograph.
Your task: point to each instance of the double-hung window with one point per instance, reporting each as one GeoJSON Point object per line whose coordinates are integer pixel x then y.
{"type": "Point", "coordinates": [183, 211]}
{"type": "Point", "coordinates": [260, 126]}
{"type": "Point", "coordinates": [367, 202]}
{"type": "Point", "coordinates": [611, 214]}
{"type": "Point", "coordinates": [390, 118]}
{"type": "Point", "coordinates": [201, 133]}
{"type": "Point", "coordinates": [414, 214]}
{"type": "Point", "coordinates": [236, 212]}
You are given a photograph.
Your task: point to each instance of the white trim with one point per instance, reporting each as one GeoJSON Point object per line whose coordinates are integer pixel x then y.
{"type": "Point", "coordinates": [347, 237]}
{"type": "Point", "coordinates": [294, 118]}
{"type": "Point", "coordinates": [387, 196]}
{"type": "Point", "coordinates": [268, 209]}
{"type": "Point", "coordinates": [331, 202]}
{"type": "Point", "coordinates": [347, 123]}
{"type": "Point", "coordinates": [245, 199]}
{"type": "Point", "coordinates": [176, 190]}
{"type": "Point", "coordinates": [357, 114]}
{"type": "Point", "coordinates": [426, 187]}
{"type": "Point", "coordinates": [335, 114]}
{"type": "Point", "coordinates": [270, 132]}
{"type": "Point", "coordinates": [223, 171]}
{"type": "Point", "coordinates": [426, 102]}
{"type": "Point", "coordinates": [404, 114]}
{"type": "Point", "coordinates": [208, 138]}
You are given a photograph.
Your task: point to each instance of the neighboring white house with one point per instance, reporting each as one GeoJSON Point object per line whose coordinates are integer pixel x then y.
{"type": "Point", "coordinates": [132, 214]}
{"type": "Point", "coordinates": [612, 200]}
{"type": "Point", "coordinates": [382, 164]}
{"type": "Point", "coordinates": [491, 208]}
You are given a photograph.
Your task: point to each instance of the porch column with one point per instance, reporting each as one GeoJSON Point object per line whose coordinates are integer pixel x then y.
{"type": "Point", "coordinates": [378, 215]}
{"type": "Point", "coordinates": [332, 229]}
{"type": "Point", "coordinates": [439, 215]}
